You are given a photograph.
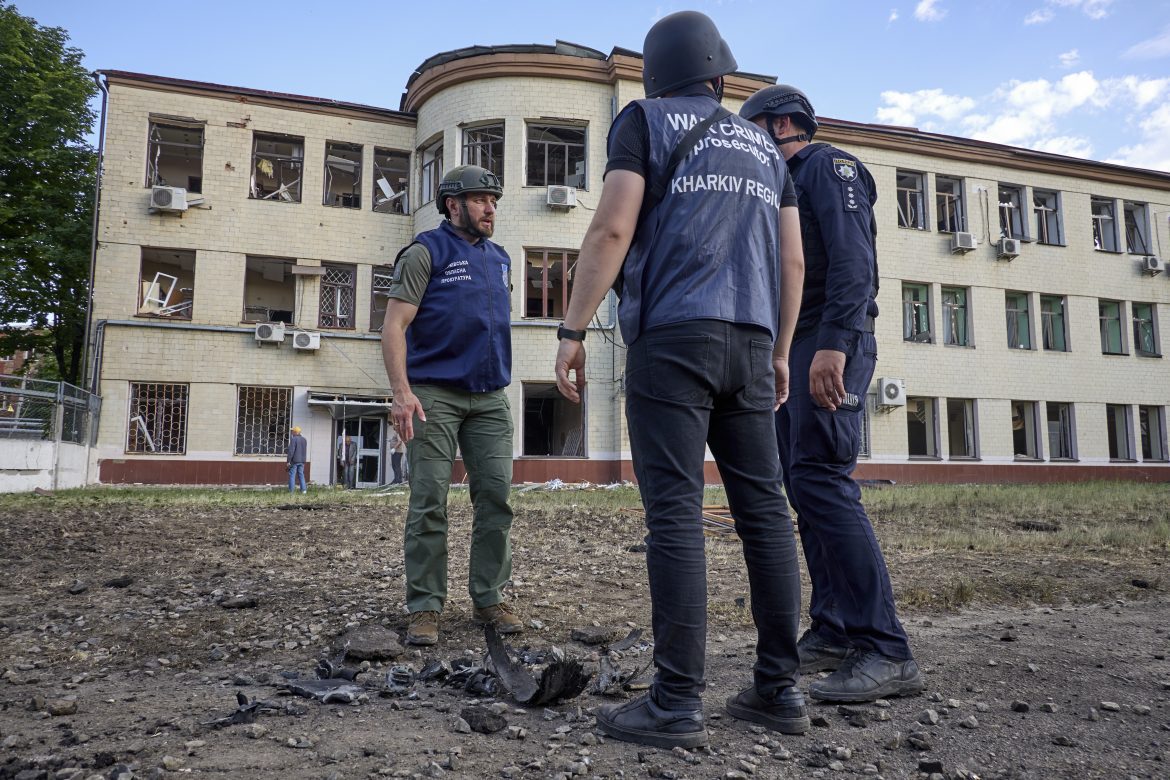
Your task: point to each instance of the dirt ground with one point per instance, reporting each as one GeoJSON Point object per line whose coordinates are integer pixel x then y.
{"type": "Point", "coordinates": [107, 678]}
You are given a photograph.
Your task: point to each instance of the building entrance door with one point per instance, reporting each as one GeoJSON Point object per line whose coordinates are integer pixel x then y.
{"type": "Point", "coordinates": [367, 434]}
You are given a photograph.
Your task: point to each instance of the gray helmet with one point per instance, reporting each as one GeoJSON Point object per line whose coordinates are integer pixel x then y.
{"type": "Point", "coordinates": [466, 179]}
{"type": "Point", "coordinates": [683, 48]}
{"type": "Point", "coordinates": [781, 100]}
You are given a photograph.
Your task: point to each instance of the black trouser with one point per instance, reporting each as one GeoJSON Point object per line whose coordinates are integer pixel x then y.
{"type": "Point", "coordinates": [710, 382]}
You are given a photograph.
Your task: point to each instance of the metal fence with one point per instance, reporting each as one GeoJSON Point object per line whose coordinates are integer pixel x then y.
{"type": "Point", "coordinates": [51, 411]}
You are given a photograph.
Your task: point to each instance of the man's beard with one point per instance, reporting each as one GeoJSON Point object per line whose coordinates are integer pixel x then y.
{"type": "Point", "coordinates": [472, 228]}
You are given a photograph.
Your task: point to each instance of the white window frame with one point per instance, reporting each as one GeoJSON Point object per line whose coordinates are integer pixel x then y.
{"type": "Point", "coordinates": [1152, 432]}
{"type": "Point", "coordinates": [914, 311]}
{"type": "Point", "coordinates": [1015, 316]}
{"type": "Point", "coordinates": [1029, 423]}
{"type": "Point", "coordinates": [953, 313]}
{"type": "Point", "coordinates": [1046, 208]}
{"type": "Point", "coordinates": [1137, 235]}
{"type": "Point", "coordinates": [924, 409]}
{"type": "Point", "coordinates": [951, 206]}
{"type": "Point", "coordinates": [1150, 326]}
{"type": "Point", "coordinates": [1066, 428]}
{"type": "Point", "coordinates": [1104, 215]}
{"type": "Point", "coordinates": [970, 428]}
{"type": "Point", "coordinates": [911, 199]}
{"type": "Point", "coordinates": [1122, 444]}
{"type": "Point", "coordinates": [1013, 223]}
{"type": "Point", "coordinates": [1121, 329]}
{"type": "Point", "coordinates": [430, 169]}
{"type": "Point", "coordinates": [1047, 329]}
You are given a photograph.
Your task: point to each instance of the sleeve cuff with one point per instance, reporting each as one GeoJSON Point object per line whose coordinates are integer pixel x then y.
{"type": "Point", "coordinates": [839, 339]}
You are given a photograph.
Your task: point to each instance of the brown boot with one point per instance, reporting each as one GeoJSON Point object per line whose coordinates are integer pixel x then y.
{"type": "Point", "coordinates": [501, 616]}
{"type": "Point", "coordinates": [423, 628]}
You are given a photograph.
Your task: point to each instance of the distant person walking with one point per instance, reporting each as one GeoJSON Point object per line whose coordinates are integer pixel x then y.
{"type": "Point", "coordinates": [347, 461]}
{"type": "Point", "coordinates": [298, 449]}
{"type": "Point", "coordinates": [397, 450]}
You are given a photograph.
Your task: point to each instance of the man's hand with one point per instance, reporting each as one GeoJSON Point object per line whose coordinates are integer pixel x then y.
{"type": "Point", "coordinates": [571, 357]}
{"type": "Point", "coordinates": [406, 406]}
{"type": "Point", "coordinates": [826, 378]}
{"type": "Point", "coordinates": [780, 365]}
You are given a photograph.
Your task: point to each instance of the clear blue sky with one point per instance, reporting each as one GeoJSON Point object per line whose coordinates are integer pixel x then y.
{"type": "Point", "coordinates": [1090, 78]}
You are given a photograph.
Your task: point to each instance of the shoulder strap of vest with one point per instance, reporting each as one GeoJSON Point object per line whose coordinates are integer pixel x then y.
{"type": "Point", "coordinates": [658, 188]}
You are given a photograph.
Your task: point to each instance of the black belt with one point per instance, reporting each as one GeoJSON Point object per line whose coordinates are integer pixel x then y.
{"type": "Point", "coordinates": [867, 326]}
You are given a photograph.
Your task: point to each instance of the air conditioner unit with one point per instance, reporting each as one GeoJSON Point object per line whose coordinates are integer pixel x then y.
{"type": "Point", "coordinates": [270, 333]}
{"type": "Point", "coordinates": [1007, 248]}
{"type": "Point", "coordinates": [306, 340]}
{"type": "Point", "coordinates": [891, 392]}
{"type": "Point", "coordinates": [562, 197]}
{"type": "Point", "coordinates": [1152, 265]}
{"type": "Point", "coordinates": [168, 198]}
{"type": "Point", "coordinates": [962, 243]}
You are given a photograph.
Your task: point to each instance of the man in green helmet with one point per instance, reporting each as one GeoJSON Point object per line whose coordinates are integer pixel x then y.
{"type": "Point", "coordinates": [447, 345]}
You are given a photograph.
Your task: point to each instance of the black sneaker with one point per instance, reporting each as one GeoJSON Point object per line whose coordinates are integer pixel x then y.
{"type": "Point", "coordinates": [786, 712]}
{"type": "Point", "coordinates": [818, 654]}
{"type": "Point", "coordinates": [867, 675]}
{"type": "Point", "coordinates": [644, 722]}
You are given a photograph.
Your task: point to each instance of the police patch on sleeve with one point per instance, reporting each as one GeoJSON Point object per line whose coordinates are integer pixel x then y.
{"type": "Point", "coordinates": [846, 170]}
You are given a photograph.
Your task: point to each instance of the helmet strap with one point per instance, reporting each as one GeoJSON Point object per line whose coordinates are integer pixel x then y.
{"type": "Point", "coordinates": [788, 138]}
{"type": "Point", "coordinates": [719, 88]}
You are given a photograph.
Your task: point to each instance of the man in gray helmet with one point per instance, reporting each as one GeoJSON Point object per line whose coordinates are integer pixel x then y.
{"type": "Point", "coordinates": [855, 629]}
{"type": "Point", "coordinates": [698, 205]}
{"type": "Point", "coordinates": [447, 346]}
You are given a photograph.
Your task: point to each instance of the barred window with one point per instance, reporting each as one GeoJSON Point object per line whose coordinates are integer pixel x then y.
{"type": "Point", "coordinates": [383, 278]}
{"type": "Point", "coordinates": [337, 293]}
{"type": "Point", "coordinates": [158, 418]}
{"type": "Point", "coordinates": [262, 420]}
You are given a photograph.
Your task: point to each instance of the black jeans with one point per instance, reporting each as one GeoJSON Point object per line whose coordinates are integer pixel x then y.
{"type": "Point", "coordinates": [710, 382]}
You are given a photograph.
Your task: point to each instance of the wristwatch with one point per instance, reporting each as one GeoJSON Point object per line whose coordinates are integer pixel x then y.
{"type": "Point", "coordinates": [565, 333]}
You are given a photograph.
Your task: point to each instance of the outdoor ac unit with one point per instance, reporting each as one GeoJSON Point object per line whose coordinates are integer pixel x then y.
{"type": "Point", "coordinates": [1007, 248]}
{"type": "Point", "coordinates": [891, 392]}
{"type": "Point", "coordinates": [306, 340]}
{"type": "Point", "coordinates": [168, 198]}
{"type": "Point", "coordinates": [962, 243]}
{"type": "Point", "coordinates": [270, 332]}
{"type": "Point", "coordinates": [1152, 265]}
{"type": "Point", "coordinates": [562, 197]}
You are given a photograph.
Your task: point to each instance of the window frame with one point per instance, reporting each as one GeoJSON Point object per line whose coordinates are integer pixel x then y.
{"type": "Point", "coordinates": [473, 152]}
{"type": "Point", "coordinates": [551, 393]}
{"type": "Point", "coordinates": [970, 428]}
{"type": "Point", "coordinates": [930, 427]}
{"type": "Point", "coordinates": [430, 171]}
{"type": "Point", "coordinates": [1141, 223]}
{"type": "Point", "coordinates": [1104, 234]}
{"type": "Point", "coordinates": [294, 164]}
{"type": "Point", "coordinates": [911, 200]}
{"type": "Point", "coordinates": [173, 302]}
{"type": "Point", "coordinates": [1048, 219]}
{"type": "Point", "coordinates": [568, 258]}
{"type": "Point", "coordinates": [178, 395]}
{"type": "Point", "coordinates": [153, 178]}
{"type": "Point", "coordinates": [379, 291]}
{"type": "Point", "coordinates": [1015, 225]}
{"type": "Point", "coordinates": [399, 201]}
{"type": "Point", "coordinates": [1151, 326]}
{"type": "Point", "coordinates": [273, 444]}
{"type": "Point", "coordinates": [1030, 425]}
{"type": "Point", "coordinates": [337, 295]}
{"type": "Point", "coordinates": [913, 311]}
{"type": "Point", "coordinates": [355, 193]}
{"type": "Point", "coordinates": [1102, 324]}
{"type": "Point", "coordinates": [531, 125]}
{"type": "Point", "coordinates": [951, 203]}
{"type": "Point", "coordinates": [1066, 422]}
{"type": "Point", "coordinates": [1046, 326]}
{"type": "Point", "coordinates": [949, 319]}
{"type": "Point", "coordinates": [1120, 448]}
{"type": "Point", "coordinates": [1152, 433]}
{"type": "Point", "coordinates": [288, 264]}
{"type": "Point", "coordinates": [1023, 315]}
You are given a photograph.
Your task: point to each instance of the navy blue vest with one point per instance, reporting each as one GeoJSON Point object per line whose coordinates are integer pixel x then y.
{"type": "Point", "coordinates": [462, 335]}
{"type": "Point", "coordinates": [710, 249]}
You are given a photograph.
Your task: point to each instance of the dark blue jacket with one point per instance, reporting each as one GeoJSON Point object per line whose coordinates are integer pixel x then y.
{"type": "Point", "coordinates": [710, 248]}
{"type": "Point", "coordinates": [461, 335]}
{"type": "Point", "coordinates": [835, 195]}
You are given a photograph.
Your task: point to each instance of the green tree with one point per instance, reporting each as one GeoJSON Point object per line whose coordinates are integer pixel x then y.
{"type": "Point", "coordinates": [47, 175]}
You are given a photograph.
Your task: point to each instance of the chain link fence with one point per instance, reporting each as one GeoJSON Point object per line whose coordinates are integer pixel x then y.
{"type": "Point", "coordinates": [38, 409]}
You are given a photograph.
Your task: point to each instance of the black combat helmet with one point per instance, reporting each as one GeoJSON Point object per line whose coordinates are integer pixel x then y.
{"type": "Point", "coordinates": [464, 180]}
{"type": "Point", "coordinates": [781, 100]}
{"type": "Point", "coordinates": [683, 48]}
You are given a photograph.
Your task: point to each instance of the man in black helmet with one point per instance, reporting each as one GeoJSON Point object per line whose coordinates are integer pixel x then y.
{"type": "Point", "coordinates": [855, 630]}
{"type": "Point", "coordinates": [447, 346]}
{"type": "Point", "coordinates": [697, 203]}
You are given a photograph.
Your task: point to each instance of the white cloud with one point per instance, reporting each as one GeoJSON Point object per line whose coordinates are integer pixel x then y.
{"type": "Point", "coordinates": [1069, 58]}
{"type": "Point", "coordinates": [1069, 145]}
{"type": "Point", "coordinates": [1153, 151]}
{"type": "Point", "coordinates": [905, 108]}
{"type": "Point", "coordinates": [1039, 16]}
{"type": "Point", "coordinates": [1151, 48]}
{"type": "Point", "coordinates": [1094, 9]}
{"type": "Point", "coordinates": [893, 16]}
{"type": "Point", "coordinates": [926, 11]}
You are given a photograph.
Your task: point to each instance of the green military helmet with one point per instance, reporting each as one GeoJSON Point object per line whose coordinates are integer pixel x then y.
{"type": "Point", "coordinates": [464, 180]}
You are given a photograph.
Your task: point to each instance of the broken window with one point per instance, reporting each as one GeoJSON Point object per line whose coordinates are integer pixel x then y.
{"type": "Point", "coordinates": [556, 153]}
{"type": "Point", "coordinates": [391, 181]}
{"type": "Point", "coordinates": [343, 175]}
{"type": "Point", "coordinates": [863, 449]}
{"type": "Point", "coordinates": [911, 200]}
{"type": "Point", "coordinates": [174, 156]}
{"type": "Point", "coordinates": [337, 296]}
{"type": "Point", "coordinates": [1118, 423]}
{"type": "Point", "coordinates": [1019, 323]}
{"type": "Point", "coordinates": [1137, 229]}
{"type": "Point", "coordinates": [921, 428]}
{"type": "Point", "coordinates": [432, 170]}
{"type": "Point", "coordinates": [379, 288]}
{"type": "Point", "coordinates": [955, 313]}
{"type": "Point", "coordinates": [548, 282]}
{"type": "Point", "coordinates": [1046, 207]}
{"type": "Point", "coordinates": [1145, 330]}
{"type": "Point", "coordinates": [157, 419]}
{"type": "Point", "coordinates": [961, 427]}
{"type": "Point", "coordinates": [553, 426]}
{"type": "Point", "coordinates": [263, 415]}
{"type": "Point", "coordinates": [1025, 442]}
{"type": "Point", "coordinates": [277, 166]}
{"type": "Point", "coordinates": [916, 312]}
{"type": "Point", "coordinates": [1104, 224]}
{"type": "Point", "coordinates": [1109, 314]}
{"type": "Point", "coordinates": [270, 290]}
{"type": "Point", "coordinates": [1053, 329]}
{"type": "Point", "coordinates": [1060, 431]}
{"type": "Point", "coordinates": [948, 201]}
{"type": "Point", "coordinates": [1011, 211]}
{"type": "Point", "coordinates": [484, 146]}
{"type": "Point", "coordinates": [1152, 425]}
{"type": "Point", "coordinates": [166, 283]}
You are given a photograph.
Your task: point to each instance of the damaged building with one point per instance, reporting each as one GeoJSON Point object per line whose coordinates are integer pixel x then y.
{"type": "Point", "coordinates": [245, 242]}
